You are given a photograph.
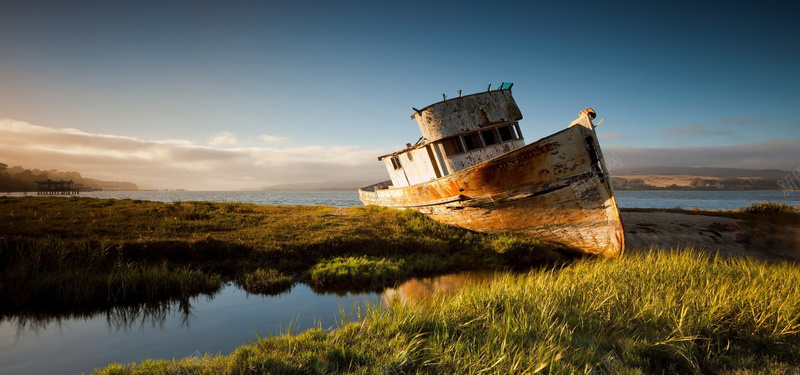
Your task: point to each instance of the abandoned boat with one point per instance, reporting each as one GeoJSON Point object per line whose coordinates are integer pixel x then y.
{"type": "Point", "coordinates": [472, 169]}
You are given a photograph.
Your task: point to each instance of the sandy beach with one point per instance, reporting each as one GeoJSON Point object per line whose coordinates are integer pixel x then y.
{"type": "Point", "coordinates": [772, 241]}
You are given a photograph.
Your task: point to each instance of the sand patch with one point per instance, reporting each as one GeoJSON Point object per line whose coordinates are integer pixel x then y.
{"type": "Point", "coordinates": [668, 230]}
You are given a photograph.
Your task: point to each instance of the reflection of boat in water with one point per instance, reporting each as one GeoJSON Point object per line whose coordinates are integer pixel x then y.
{"type": "Point", "coordinates": [425, 289]}
{"type": "Point", "coordinates": [472, 169]}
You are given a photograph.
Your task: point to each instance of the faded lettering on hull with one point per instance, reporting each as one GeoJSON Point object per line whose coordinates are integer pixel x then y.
{"type": "Point", "coordinates": [526, 155]}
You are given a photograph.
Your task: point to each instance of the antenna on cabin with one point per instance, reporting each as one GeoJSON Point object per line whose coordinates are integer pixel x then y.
{"type": "Point", "coordinates": [490, 87]}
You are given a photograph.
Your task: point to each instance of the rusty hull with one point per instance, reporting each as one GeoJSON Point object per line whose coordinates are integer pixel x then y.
{"type": "Point", "coordinates": [556, 189]}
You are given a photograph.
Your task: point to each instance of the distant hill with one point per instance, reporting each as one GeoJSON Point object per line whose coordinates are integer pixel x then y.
{"type": "Point", "coordinates": [691, 178]}
{"type": "Point", "coordinates": [21, 179]}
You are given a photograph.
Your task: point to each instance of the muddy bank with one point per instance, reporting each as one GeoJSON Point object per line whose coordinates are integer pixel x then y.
{"type": "Point", "coordinates": [762, 239]}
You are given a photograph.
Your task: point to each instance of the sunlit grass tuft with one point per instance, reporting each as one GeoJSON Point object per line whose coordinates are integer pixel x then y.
{"type": "Point", "coordinates": [770, 208]}
{"type": "Point", "coordinates": [358, 272]}
{"type": "Point", "coordinates": [265, 281]}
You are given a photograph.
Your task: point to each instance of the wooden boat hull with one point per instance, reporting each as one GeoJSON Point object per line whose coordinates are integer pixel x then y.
{"type": "Point", "coordinates": [556, 189]}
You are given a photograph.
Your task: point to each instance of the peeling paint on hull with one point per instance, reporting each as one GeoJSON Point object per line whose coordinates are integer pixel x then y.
{"type": "Point", "coordinates": [556, 189]}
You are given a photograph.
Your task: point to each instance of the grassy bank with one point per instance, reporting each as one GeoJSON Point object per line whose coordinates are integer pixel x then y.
{"type": "Point", "coordinates": [82, 253]}
{"type": "Point", "coordinates": [659, 312]}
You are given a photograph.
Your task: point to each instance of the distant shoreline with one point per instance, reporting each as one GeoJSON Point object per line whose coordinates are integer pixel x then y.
{"type": "Point", "coordinates": [694, 189]}
{"type": "Point", "coordinates": [33, 192]}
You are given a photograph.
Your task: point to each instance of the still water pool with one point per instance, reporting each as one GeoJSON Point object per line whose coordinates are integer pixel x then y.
{"type": "Point", "coordinates": [215, 324]}
{"type": "Point", "coordinates": [207, 324]}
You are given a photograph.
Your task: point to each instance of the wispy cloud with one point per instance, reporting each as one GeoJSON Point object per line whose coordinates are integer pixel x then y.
{"type": "Point", "coordinates": [774, 154]}
{"type": "Point", "coordinates": [273, 138]}
{"type": "Point", "coordinates": [224, 138]}
{"type": "Point", "coordinates": [181, 163]}
{"type": "Point", "coordinates": [697, 130]}
{"type": "Point", "coordinates": [726, 127]}
{"type": "Point", "coordinates": [610, 136]}
{"type": "Point", "coordinates": [743, 121]}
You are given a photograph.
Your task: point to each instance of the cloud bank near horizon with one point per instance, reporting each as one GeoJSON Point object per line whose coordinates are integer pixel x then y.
{"type": "Point", "coordinates": [780, 153]}
{"type": "Point", "coordinates": [221, 165]}
{"type": "Point", "coordinates": [181, 164]}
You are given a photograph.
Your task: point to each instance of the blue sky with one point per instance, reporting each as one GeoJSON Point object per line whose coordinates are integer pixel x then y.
{"type": "Point", "coordinates": [195, 94]}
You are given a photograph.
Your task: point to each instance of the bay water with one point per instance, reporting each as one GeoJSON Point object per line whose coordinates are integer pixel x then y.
{"type": "Point", "coordinates": [704, 200]}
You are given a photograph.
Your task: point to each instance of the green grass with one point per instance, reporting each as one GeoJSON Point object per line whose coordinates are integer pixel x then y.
{"type": "Point", "coordinates": [358, 272]}
{"type": "Point", "coordinates": [50, 275]}
{"type": "Point", "coordinates": [265, 281]}
{"type": "Point", "coordinates": [770, 208]}
{"type": "Point", "coordinates": [649, 312]}
{"type": "Point", "coordinates": [179, 249]}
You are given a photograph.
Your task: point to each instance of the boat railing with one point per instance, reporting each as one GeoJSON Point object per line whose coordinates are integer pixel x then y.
{"type": "Point", "coordinates": [379, 186]}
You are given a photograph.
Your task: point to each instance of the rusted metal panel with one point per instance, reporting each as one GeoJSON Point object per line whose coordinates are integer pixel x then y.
{"type": "Point", "coordinates": [470, 158]}
{"type": "Point", "coordinates": [458, 115]}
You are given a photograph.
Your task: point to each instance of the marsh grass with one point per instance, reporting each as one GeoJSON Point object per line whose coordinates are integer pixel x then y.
{"type": "Point", "coordinates": [265, 281]}
{"type": "Point", "coordinates": [362, 272]}
{"type": "Point", "coordinates": [53, 275]}
{"type": "Point", "coordinates": [102, 252]}
{"type": "Point", "coordinates": [770, 208]}
{"type": "Point", "coordinates": [650, 312]}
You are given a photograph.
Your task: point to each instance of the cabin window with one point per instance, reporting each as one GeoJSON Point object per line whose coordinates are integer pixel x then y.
{"type": "Point", "coordinates": [452, 146]}
{"type": "Point", "coordinates": [519, 133]}
{"type": "Point", "coordinates": [396, 163]}
{"type": "Point", "coordinates": [472, 141]}
{"type": "Point", "coordinates": [489, 138]}
{"type": "Point", "coordinates": [506, 133]}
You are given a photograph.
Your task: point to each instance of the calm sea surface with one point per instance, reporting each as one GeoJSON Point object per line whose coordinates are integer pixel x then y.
{"type": "Point", "coordinates": [704, 200]}
{"type": "Point", "coordinates": [208, 324]}
{"type": "Point", "coordinates": [231, 318]}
